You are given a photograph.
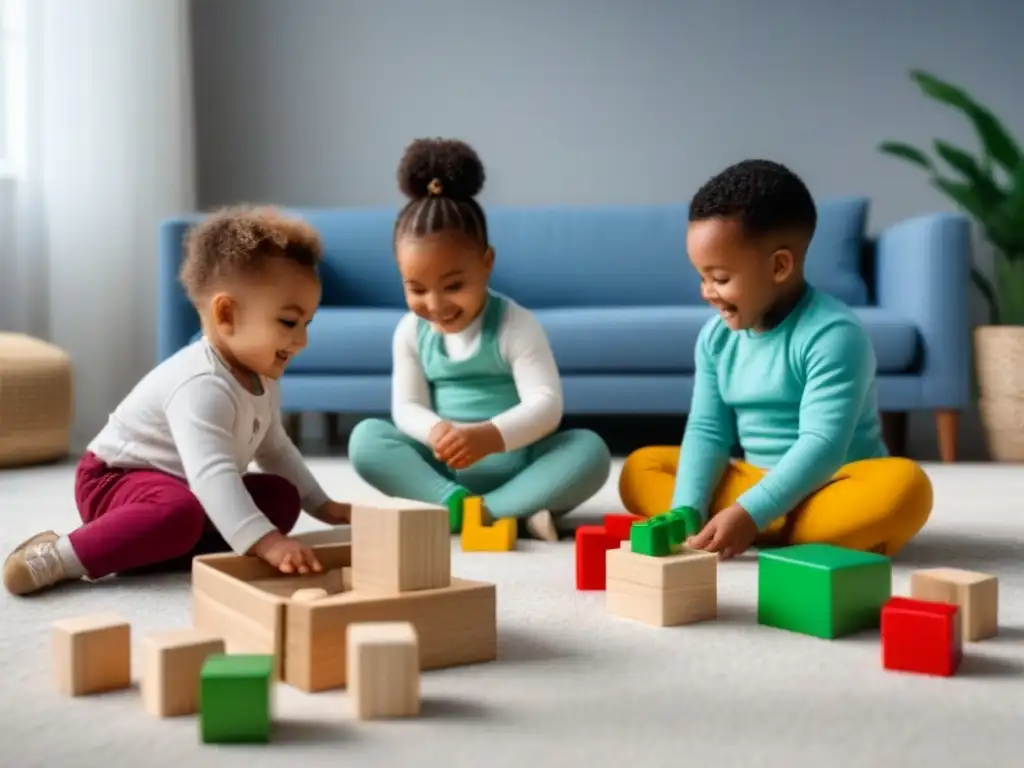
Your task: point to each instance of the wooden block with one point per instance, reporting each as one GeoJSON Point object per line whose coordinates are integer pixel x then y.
{"type": "Point", "coordinates": [663, 591]}
{"type": "Point", "coordinates": [383, 670]}
{"type": "Point", "coordinates": [92, 654]}
{"type": "Point", "coordinates": [501, 536]}
{"type": "Point", "coordinates": [592, 545]}
{"type": "Point", "coordinates": [977, 595]}
{"type": "Point", "coordinates": [171, 662]}
{"type": "Point", "coordinates": [400, 550]}
{"type": "Point", "coordinates": [619, 525]}
{"type": "Point", "coordinates": [308, 595]}
{"type": "Point", "coordinates": [921, 636]}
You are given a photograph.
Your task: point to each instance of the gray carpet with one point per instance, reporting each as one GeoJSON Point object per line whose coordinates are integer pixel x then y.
{"type": "Point", "coordinates": [574, 685]}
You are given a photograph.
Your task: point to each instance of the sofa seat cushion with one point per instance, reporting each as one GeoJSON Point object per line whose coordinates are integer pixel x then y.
{"type": "Point", "coordinates": [351, 340]}
{"type": "Point", "coordinates": [662, 339]}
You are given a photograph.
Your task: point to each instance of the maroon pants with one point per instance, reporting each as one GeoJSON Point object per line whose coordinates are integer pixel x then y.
{"type": "Point", "coordinates": [144, 520]}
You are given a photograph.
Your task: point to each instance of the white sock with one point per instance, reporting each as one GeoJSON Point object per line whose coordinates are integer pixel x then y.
{"type": "Point", "coordinates": [73, 567]}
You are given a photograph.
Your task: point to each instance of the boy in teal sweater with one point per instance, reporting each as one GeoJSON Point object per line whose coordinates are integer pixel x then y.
{"type": "Point", "coordinates": [786, 370]}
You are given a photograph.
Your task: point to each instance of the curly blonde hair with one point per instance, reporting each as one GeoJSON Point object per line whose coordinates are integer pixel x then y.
{"type": "Point", "coordinates": [239, 240]}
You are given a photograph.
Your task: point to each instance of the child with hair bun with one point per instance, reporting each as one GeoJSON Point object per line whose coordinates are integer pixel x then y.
{"type": "Point", "coordinates": [476, 395]}
{"type": "Point", "coordinates": [166, 478]}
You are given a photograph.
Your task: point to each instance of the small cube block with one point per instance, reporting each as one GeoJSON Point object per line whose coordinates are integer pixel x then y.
{"type": "Point", "coordinates": [651, 537]}
{"type": "Point", "coordinates": [171, 662]}
{"type": "Point", "coordinates": [618, 525]}
{"type": "Point", "coordinates": [592, 545]}
{"type": "Point", "coordinates": [921, 636]}
{"type": "Point", "coordinates": [977, 595]}
{"type": "Point", "coordinates": [92, 654]}
{"type": "Point", "coordinates": [676, 589]}
{"type": "Point", "coordinates": [234, 698]}
{"type": "Point", "coordinates": [500, 536]}
{"type": "Point", "coordinates": [822, 590]}
{"type": "Point", "coordinates": [309, 595]}
{"type": "Point", "coordinates": [400, 550]}
{"type": "Point", "coordinates": [383, 670]}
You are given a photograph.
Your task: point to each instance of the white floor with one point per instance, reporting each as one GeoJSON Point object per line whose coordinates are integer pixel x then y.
{"type": "Point", "coordinates": [574, 686]}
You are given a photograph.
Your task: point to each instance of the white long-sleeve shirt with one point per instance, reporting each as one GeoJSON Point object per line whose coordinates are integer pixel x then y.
{"type": "Point", "coordinates": [191, 418]}
{"type": "Point", "coordinates": [522, 343]}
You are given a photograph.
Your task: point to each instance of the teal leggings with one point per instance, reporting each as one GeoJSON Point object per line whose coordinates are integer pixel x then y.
{"type": "Point", "coordinates": [557, 473]}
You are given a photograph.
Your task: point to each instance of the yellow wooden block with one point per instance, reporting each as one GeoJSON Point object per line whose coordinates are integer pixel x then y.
{"type": "Point", "coordinates": [501, 536]}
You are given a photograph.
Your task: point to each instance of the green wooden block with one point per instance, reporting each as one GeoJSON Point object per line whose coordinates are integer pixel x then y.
{"type": "Point", "coordinates": [689, 519]}
{"type": "Point", "coordinates": [821, 590]}
{"type": "Point", "coordinates": [234, 698]}
{"type": "Point", "coordinates": [651, 537]}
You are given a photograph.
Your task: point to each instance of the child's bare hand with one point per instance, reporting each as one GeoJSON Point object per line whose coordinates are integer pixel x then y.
{"type": "Point", "coordinates": [729, 533]}
{"type": "Point", "coordinates": [336, 512]}
{"type": "Point", "coordinates": [440, 429]}
{"type": "Point", "coordinates": [287, 555]}
{"type": "Point", "coordinates": [463, 447]}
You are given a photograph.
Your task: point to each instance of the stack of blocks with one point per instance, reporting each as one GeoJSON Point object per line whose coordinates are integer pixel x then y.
{"type": "Point", "coordinates": [477, 536]}
{"type": "Point", "coordinates": [656, 579]}
{"type": "Point", "coordinates": [592, 545]}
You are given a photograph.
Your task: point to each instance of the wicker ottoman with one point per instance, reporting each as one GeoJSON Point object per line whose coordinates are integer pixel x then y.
{"type": "Point", "coordinates": [36, 400]}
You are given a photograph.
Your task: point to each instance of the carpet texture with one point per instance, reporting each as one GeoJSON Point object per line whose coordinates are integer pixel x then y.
{"type": "Point", "coordinates": [573, 686]}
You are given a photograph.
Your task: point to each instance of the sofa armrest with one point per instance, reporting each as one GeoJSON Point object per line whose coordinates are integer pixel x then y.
{"type": "Point", "coordinates": [176, 319]}
{"type": "Point", "coordinates": [923, 271]}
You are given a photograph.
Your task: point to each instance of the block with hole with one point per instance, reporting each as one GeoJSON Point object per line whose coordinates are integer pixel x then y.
{"type": "Point", "coordinates": [664, 591]}
{"type": "Point", "coordinates": [383, 670]}
{"type": "Point", "coordinates": [822, 590]}
{"type": "Point", "coordinates": [479, 536]}
{"type": "Point", "coordinates": [91, 654]}
{"type": "Point", "coordinates": [977, 595]}
{"type": "Point", "coordinates": [618, 525]}
{"type": "Point", "coordinates": [921, 636]}
{"type": "Point", "coordinates": [400, 550]}
{"type": "Point", "coordinates": [171, 663]}
{"type": "Point", "coordinates": [592, 545]}
{"type": "Point", "coordinates": [234, 698]}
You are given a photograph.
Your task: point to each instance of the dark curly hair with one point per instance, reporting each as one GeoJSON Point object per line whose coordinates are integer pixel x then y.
{"type": "Point", "coordinates": [441, 178]}
{"type": "Point", "coordinates": [765, 197]}
{"type": "Point", "coordinates": [239, 240]}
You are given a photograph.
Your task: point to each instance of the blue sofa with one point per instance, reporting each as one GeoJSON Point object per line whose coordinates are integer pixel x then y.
{"type": "Point", "coordinates": [621, 304]}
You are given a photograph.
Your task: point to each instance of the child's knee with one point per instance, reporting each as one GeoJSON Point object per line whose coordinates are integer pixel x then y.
{"type": "Point", "coordinates": [181, 529]}
{"type": "Point", "coordinates": [365, 441]}
{"type": "Point", "coordinates": [592, 449]}
{"type": "Point", "coordinates": [913, 488]}
{"type": "Point", "coordinates": [277, 498]}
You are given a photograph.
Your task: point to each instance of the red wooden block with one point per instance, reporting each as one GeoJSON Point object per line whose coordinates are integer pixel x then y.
{"type": "Point", "coordinates": [592, 545]}
{"type": "Point", "coordinates": [921, 636]}
{"type": "Point", "coordinates": [618, 525]}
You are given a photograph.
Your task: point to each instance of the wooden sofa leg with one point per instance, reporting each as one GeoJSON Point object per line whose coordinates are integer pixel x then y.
{"type": "Point", "coordinates": [894, 432]}
{"type": "Point", "coordinates": [946, 426]}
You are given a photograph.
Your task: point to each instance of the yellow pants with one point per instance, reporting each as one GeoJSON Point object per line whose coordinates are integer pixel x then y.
{"type": "Point", "coordinates": [873, 505]}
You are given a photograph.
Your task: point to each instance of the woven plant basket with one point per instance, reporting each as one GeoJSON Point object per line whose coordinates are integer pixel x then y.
{"type": "Point", "coordinates": [999, 355]}
{"type": "Point", "coordinates": [35, 400]}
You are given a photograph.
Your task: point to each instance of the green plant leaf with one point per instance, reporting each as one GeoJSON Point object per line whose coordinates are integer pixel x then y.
{"type": "Point", "coordinates": [1006, 222]}
{"type": "Point", "coordinates": [984, 286]}
{"type": "Point", "coordinates": [965, 196]}
{"type": "Point", "coordinates": [998, 143]}
{"type": "Point", "coordinates": [906, 152]}
{"type": "Point", "coordinates": [984, 185]}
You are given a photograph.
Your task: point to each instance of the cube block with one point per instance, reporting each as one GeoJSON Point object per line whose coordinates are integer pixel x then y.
{"type": "Point", "coordinates": [619, 525]}
{"type": "Point", "coordinates": [234, 698]}
{"type": "Point", "coordinates": [500, 536]}
{"type": "Point", "coordinates": [921, 636]}
{"type": "Point", "coordinates": [383, 670]}
{"type": "Point", "coordinates": [977, 595]}
{"type": "Point", "coordinates": [92, 654]}
{"type": "Point", "coordinates": [592, 545]}
{"type": "Point", "coordinates": [171, 662]}
{"type": "Point", "coordinates": [662, 591]}
{"type": "Point", "coordinates": [822, 590]}
{"type": "Point", "coordinates": [400, 550]}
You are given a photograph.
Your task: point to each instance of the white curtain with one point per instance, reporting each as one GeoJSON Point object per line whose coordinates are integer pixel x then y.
{"type": "Point", "coordinates": [105, 152]}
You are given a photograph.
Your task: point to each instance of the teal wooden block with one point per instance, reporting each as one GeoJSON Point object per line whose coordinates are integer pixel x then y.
{"type": "Point", "coordinates": [234, 698]}
{"type": "Point", "coordinates": [822, 590]}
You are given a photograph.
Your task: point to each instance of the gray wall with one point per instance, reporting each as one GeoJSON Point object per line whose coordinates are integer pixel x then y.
{"type": "Point", "coordinates": [311, 102]}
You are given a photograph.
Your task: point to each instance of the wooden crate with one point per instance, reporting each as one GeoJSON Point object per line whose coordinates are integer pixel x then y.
{"type": "Point", "coordinates": [246, 602]}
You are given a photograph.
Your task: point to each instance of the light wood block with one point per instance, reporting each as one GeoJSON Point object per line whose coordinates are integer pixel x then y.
{"type": "Point", "coordinates": [92, 654]}
{"type": "Point", "coordinates": [400, 550]}
{"type": "Point", "coordinates": [500, 536]}
{"type": "Point", "coordinates": [383, 670]}
{"type": "Point", "coordinates": [308, 595]}
{"type": "Point", "coordinates": [171, 662]}
{"type": "Point", "coordinates": [977, 595]}
{"type": "Point", "coordinates": [662, 591]}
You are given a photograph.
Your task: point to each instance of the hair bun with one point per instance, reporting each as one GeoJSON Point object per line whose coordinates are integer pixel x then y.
{"type": "Point", "coordinates": [444, 167]}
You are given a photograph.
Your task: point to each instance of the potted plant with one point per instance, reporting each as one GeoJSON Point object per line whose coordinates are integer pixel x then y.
{"type": "Point", "coordinates": [990, 189]}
